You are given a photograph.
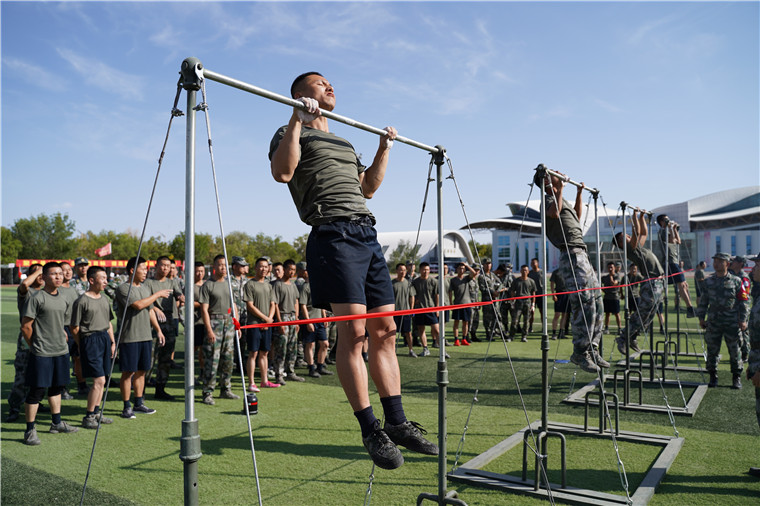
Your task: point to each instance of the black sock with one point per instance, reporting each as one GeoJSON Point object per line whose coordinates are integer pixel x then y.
{"type": "Point", "coordinates": [393, 409]}
{"type": "Point", "coordinates": [312, 367]}
{"type": "Point", "coordinates": [56, 418]}
{"type": "Point", "coordinates": [139, 401]}
{"type": "Point", "coordinates": [127, 404]}
{"type": "Point", "coordinates": [367, 421]}
{"type": "Point", "coordinates": [29, 426]}
{"type": "Point", "coordinates": [89, 413]}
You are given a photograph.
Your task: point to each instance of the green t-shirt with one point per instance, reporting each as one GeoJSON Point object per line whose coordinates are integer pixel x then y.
{"type": "Point", "coordinates": [91, 315]}
{"type": "Point", "coordinates": [558, 280]}
{"type": "Point", "coordinates": [304, 297]}
{"type": "Point", "coordinates": [217, 295]}
{"type": "Point", "coordinates": [135, 327]}
{"type": "Point", "coordinates": [261, 295]}
{"type": "Point", "coordinates": [286, 296]}
{"type": "Point", "coordinates": [611, 286]}
{"type": "Point", "coordinates": [425, 292]}
{"type": "Point", "coordinates": [523, 288]}
{"type": "Point", "coordinates": [49, 312]}
{"type": "Point", "coordinates": [325, 185]}
{"type": "Point", "coordinates": [166, 304]}
{"type": "Point", "coordinates": [461, 289]}
{"type": "Point", "coordinates": [402, 290]}
{"type": "Point", "coordinates": [71, 295]}
{"type": "Point", "coordinates": [564, 232]}
{"type": "Point", "coordinates": [645, 261]}
{"type": "Point", "coordinates": [21, 301]}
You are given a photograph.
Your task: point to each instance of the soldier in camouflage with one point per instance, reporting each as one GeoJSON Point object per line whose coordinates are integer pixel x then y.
{"type": "Point", "coordinates": [505, 306]}
{"type": "Point", "coordinates": [726, 306]}
{"type": "Point", "coordinates": [736, 266]}
{"type": "Point", "coordinates": [753, 364]}
{"type": "Point", "coordinates": [489, 285]}
{"type": "Point", "coordinates": [79, 282]}
{"type": "Point", "coordinates": [475, 318]}
{"type": "Point", "coordinates": [238, 280]}
{"type": "Point", "coordinates": [651, 291]}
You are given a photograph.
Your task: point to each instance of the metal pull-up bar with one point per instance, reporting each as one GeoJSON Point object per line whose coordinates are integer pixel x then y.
{"type": "Point", "coordinates": [214, 76]}
{"type": "Point", "coordinates": [624, 204]}
{"type": "Point", "coordinates": [547, 170]}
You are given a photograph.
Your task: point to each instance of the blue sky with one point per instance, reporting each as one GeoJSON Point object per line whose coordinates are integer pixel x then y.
{"type": "Point", "coordinates": [652, 103]}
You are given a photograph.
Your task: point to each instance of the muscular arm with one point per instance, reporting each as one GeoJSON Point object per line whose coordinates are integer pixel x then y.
{"type": "Point", "coordinates": [579, 201]}
{"type": "Point", "coordinates": [23, 288]}
{"type": "Point", "coordinates": [288, 153]}
{"type": "Point", "coordinates": [27, 330]}
{"type": "Point", "coordinates": [257, 312]}
{"type": "Point", "coordinates": [371, 178]}
{"type": "Point", "coordinates": [556, 207]}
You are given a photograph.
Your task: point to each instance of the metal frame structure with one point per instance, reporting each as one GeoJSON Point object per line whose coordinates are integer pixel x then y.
{"type": "Point", "coordinates": [471, 473]}
{"type": "Point", "coordinates": [192, 74]}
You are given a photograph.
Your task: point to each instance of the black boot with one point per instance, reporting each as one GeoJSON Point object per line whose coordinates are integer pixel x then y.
{"type": "Point", "coordinates": [737, 383]}
{"type": "Point", "coordinates": [162, 395]}
{"type": "Point", "coordinates": [713, 379]}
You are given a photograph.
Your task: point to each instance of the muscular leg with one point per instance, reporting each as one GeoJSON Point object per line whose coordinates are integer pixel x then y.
{"type": "Point", "coordinates": [125, 385]}
{"type": "Point", "coordinates": [383, 364]}
{"type": "Point", "coordinates": [349, 363]}
{"type": "Point", "coordinates": [96, 393]}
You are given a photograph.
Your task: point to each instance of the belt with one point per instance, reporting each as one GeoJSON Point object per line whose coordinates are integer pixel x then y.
{"type": "Point", "coordinates": [218, 316]}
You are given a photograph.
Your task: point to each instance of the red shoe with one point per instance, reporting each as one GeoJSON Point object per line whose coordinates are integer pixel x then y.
{"type": "Point", "coordinates": [269, 384]}
{"type": "Point", "coordinates": [456, 342]}
{"type": "Point", "coordinates": [465, 343]}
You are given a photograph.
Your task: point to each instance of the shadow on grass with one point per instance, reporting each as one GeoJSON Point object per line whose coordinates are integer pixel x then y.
{"type": "Point", "coordinates": [675, 483]}
{"type": "Point", "coordinates": [23, 485]}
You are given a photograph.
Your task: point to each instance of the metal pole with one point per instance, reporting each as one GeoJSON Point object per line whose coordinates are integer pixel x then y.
{"type": "Point", "coordinates": [295, 103]}
{"type": "Point", "coordinates": [566, 179]}
{"type": "Point", "coordinates": [599, 258]}
{"type": "Point", "coordinates": [190, 442]}
{"type": "Point", "coordinates": [544, 322]}
{"type": "Point", "coordinates": [626, 384]}
{"type": "Point", "coordinates": [665, 255]}
{"type": "Point", "coordinates": [443, 373]}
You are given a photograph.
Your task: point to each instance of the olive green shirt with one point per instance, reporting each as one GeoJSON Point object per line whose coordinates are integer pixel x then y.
{"type": "Point", "coordinates": [91, 315]}
{"type": "Point", "coordinates": [402, 291]}
{"type": "Point", "coordinates": [48, 312]}
{"type": "Point", "coordinates": [304, 297]}
{"type": "Point", "coordinates": [166, 304]}
{"type": "Point", "coordinates": [286, 296]}
{"type": "Point", "coordinates": [564, 232]}
{"type": "Point", "coordinates": [425, 292]}
{"type": "Point", "coordinates": [261, 295]}
{"type": "Point", "coordinates": [217, 295]}
{"type": "Point", "coordinates": [645, 261]}
{"type": "Point", "coordinates": [135, 326]}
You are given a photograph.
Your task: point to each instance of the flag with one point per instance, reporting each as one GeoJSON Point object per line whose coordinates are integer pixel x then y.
{"type": "Point", "coordinates": [105, 250]}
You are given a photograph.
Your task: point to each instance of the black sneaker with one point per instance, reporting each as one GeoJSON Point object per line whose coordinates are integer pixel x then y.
{"type": "Point", "coordinates": [128, 413]}
{"type": "Point", "coordinates": [12, 416]}
{"type": "Point", "coordinates": [142, 408]}
{"type": "Point", "coordinates": [31, 438]}
{"type": "Point", "coordinates": [410, 435]}
{"type": "Point", "coordinates": [690, 312]}
{"type": "Point", "coordinates": [66, 396]}
{"type": "Point", "coordinates": [313, 373]}
{"type": "Point", "coordinates": [323, 370]}
{"type": "Point", "coordinates": [382, 451]}
{"type": "Point", "coordinates": [635, 346]}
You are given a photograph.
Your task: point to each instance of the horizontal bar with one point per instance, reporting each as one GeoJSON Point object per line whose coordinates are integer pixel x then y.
{"type": "Point", "coordinates": [566, 179]}
{"type": "Point", "coordinates": [624, 204]}
{"type": "Point", "coordinates": [295, 103]}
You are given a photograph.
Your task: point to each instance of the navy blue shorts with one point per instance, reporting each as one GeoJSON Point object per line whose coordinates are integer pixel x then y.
{"type": "Point", "coordinates": [561, 304]}
{"type": "Point", "coordinates": [135, 356]}
{"type": "Point", "coordinates": [611, 306]}
{"type": "Point", "coordinates": [96, 354]}
{"type": "Point", "coordinates": [259, 339]}
{"type": "Point", "coordinates": [464, 314]}
{"type": "Point", "coordinates": [403, 323]}
{"type": "Point", "coordinates": [199, 332]}
{"type": "Point", "coordinates": [423, 319]}
{"type": "Point", "coordinates": [43, 372]}
{"type": "Point", "coordinates": [73, 348]}
{"type": "Point", "coordinates": [347, 266]}
{"type": "Point", "coordinates": [674, 268]}
{"type": "Point", "coordinates": [319, 333]}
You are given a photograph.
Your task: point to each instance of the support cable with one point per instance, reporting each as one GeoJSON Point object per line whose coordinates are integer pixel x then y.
{"type": "Point", "coordinates": [204, 107]}
{"type": "Point", "coordinates": [175, 112]}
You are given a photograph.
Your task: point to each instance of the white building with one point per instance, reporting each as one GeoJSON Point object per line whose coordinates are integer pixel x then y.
{"type": "Point", "coordinates": [455, 247]}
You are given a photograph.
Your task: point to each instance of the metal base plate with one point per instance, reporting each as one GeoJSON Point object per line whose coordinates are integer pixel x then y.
{"type": "Point", "coordinates": [470, 472]}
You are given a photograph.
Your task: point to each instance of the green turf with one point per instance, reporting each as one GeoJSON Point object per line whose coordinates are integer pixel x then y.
{"type": "Point", "coordinates": [308, 447]}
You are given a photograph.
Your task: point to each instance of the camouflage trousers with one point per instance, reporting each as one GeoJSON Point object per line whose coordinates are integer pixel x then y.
{"type": "Point", "coordinates": [285, 346]}
{"type": "Point", "coordinates": [218, 356]}
{"type": "Point", "coordinates": [586, 309]}
{"type": "Point", "coordinates": [475, 321]}
{"type": "Point", "coordinates": [744, 345]}
{"type": "Point", "coordinates": [714, 335]}
{"type": "Point", "coordinates": [489, 319]}
{"type": "Point", "coordinates": [162, 355]}
{"type": "Point", "coordinates": [17, 395]}
{"type": "Point", "coordinates": [645, 309]}
{"type": "Point", "coordinates": [505, 311]}
{"type": "Point", "coordinates": [520, 311]}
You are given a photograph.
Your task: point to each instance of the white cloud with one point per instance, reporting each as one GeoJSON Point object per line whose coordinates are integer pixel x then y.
{"type": "Point", "coordinates": [33, 74]}
{"type": "Point", "coordinates": [100, 75]}
{"type": "Point", "coordinates": [607, 106]}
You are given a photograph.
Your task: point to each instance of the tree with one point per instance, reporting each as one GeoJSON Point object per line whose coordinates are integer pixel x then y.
{"type": "Point", "coordinates": [273, 247]}
{"type": "Point", "coordinates": [10, 247]}
{"type": "Point", "coordinates": [205, 247]}
{"type": "Point", "coordinates": [480, 251]}
{"type": "Point", "coordinates": [404, 253]}
{"type": "Point", "coordinates": [299, 243]}
{"type": "Point", "coordinates": [45, 236]}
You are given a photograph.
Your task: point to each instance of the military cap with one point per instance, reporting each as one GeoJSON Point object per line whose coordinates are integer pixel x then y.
{"type": "Point", "coordinates": [509, 265]}
{"type": "Point", "coordinates": [722, 256]}
{"type": "Point", "coordinates": [267, 259]}
{"type": "Point", "coordinates": [740, 258]}
{"type": "Point", "coordinates": [239, 261]}
{"type": "Point", "coordinates": [501, 267]}
{"type": "Point", "coordinates": [301, 266]}
{"type": "Point", "coordinates": [486, 260]}
{"type": "Point", "coordinates": [81, 260]}
{"type": "Point", "coordinates": [476, 266]}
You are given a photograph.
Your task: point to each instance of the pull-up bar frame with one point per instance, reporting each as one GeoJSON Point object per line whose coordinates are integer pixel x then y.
{"type": "Point", "coordinates": [192, 73]}
{"type": "Point", "coordinates": [542, 167]}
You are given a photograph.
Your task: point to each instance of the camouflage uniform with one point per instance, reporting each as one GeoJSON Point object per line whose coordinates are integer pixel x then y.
{"type": "Point", "coordinates": [488, 284]}
{"type": "Point", "coordinates": [217, 356]}
{"type": "Point", "coordinates": [721, 302]}
{"type": "Point", "coordinates": [475, 318]}
{"type": "Point", "coordinates": [753, 363]}
{"type": "Point", "coordinates": [586, 309]}
{"type": "Point", "coordinates": [641, 317]}
{"type": "Point", "coordinates": [744, 334]}
{"type": "Point", "coordinates": [505, 307]}
{"type": "Point", "coordinates": [242, 310]}
{"type": "Point", "coordinates": [287, 347]}
{"type": "Point", "coordinates": [80, 285]}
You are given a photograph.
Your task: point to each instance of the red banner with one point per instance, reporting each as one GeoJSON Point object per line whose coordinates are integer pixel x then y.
{"type": "Point", "coordinates": [23, 262]}
{"type": "Point", "coordinates": [105, 250]}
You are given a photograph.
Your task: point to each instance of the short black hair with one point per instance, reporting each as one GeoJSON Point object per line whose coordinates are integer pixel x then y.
{"type": "Point", "coordinates": [218, 257]}
{"type": "Point", "coordinates": [524, 266]}
{"type": "Point", "coordinates": [400, 264]}
{"type": "Point", "coordinates": [276, 264]}
{"type": "Point", "coordinates": [611, 263]}
{"type": "Point", "coordinates": [298, 80]}
{"type": "Point", "coordinates": [93, 271]}
{"type": "Point", "coordinates": [424, 264]}
{"type": "Point", "coordinates": [287, 264]}
{"type": "Point", "coordinates": [134, 262]}
{"type": "Point", "coordinates": [198, 263]}
{"type": "Point", "coordinates": [661, 217]}
{"type": "Point", "coordinates": [261, 259]}
{"type": "Point", "coordinates": [48, 266]}
{"type": "Point", "coordinates": [162, 258]}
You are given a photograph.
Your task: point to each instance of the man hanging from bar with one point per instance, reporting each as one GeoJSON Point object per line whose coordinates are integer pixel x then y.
{"type": "Point", "coordinates": [651, 291]}
{"type": "Point", "coordinates": [348, 272]}
{"type": "Point", "coordinates": [563, 229]}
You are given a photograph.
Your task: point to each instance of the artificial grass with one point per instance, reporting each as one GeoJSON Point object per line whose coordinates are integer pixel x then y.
{"type": "Point", "coordinates": [308, 446]}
